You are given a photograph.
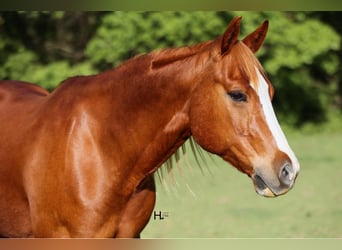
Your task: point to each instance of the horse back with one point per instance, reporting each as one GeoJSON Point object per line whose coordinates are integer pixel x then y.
{"type": "Point", "coordinates": [19, 109]}
{"type": "Point", "coordinates": [18, 90]}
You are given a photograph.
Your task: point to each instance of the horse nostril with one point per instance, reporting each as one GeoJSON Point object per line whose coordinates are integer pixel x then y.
{"type": "Point", "coordinates": [286, 174]}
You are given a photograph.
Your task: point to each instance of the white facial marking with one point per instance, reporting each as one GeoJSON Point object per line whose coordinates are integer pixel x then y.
{"type": "Point", "coordinates": [272, 121]}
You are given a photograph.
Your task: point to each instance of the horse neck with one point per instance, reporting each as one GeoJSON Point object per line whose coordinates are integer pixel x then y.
{"type": "Point", "coordinates": [152, 94]}
{"type": "Point", "coordinates": [159, 82]}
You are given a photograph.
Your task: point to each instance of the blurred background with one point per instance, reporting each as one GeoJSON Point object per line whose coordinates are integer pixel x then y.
{"type": "Point", "coordinates": [302, 56]}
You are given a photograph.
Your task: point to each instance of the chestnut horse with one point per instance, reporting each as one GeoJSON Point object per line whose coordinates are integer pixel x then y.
{"type": "Point", "coordinates": [79, 162]}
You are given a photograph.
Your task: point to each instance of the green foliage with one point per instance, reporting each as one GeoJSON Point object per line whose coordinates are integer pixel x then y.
{"type": "Point", "coordinates": [297, 43]}
{"type": "Point", "coordinates": [125, 34]}
{"type": "Point", "coordinates": [23, 66]}
{"type": "Point", "coordinates": [300, 56]}
{"type": "Point", "coordinates": [301, 53]}
{"type": "Point", "coordinates": [51, 75]}
{"type": "Point", "coordinates": [43, 47]}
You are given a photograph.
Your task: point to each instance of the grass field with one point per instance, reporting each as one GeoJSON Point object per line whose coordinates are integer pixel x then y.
{"type": "Point", "coordinates": [223, 203]}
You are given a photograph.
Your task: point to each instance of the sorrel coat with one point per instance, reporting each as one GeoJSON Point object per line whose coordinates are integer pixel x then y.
{"type": "Point", "coordinates": [79, 162]}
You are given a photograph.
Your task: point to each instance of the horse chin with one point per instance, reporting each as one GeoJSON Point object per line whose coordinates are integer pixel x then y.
{"type": "Point", "coordinates": [265, 192]}
{"type": "Point", "coordinates": [261, 187]}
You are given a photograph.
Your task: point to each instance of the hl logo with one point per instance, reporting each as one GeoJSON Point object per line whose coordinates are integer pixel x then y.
{"type": "Point", "coordinates": [160, 215]}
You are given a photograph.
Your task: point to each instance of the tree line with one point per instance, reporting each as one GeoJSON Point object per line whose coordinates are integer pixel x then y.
{"type": "Point", "coordinates": [301, 54]}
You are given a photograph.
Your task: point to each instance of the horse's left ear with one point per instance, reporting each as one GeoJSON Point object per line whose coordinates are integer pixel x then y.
{"type": "Point", "coordinates": [255, 39]}
{"type": "Point", "coordinates": [230, 36]}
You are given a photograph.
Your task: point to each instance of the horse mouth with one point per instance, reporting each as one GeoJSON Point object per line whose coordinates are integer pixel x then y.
{"type": "Point", "coordinates": [262, 188]}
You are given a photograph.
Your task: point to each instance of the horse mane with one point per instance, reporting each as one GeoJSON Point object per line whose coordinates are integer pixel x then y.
{"type": "Point", "coordinates": [240, 56]}
{"type": "Point", "coordinates": [161, 59]}
{"type": "Point", "coordinates": [167, 56]}
{"type": "Point", "coordinates": [180, 159]}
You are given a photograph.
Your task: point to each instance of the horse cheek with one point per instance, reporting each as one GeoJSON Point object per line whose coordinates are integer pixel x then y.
{"type": "Point", "coordinates": [209, 120]}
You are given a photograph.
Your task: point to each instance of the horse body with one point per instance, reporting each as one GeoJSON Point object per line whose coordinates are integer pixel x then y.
{"type": "Point", "coordinates": [80, 170]}
{"type": "Point", "coordinates": [79, 162]}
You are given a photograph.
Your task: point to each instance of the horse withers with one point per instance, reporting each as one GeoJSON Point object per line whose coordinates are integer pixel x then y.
{"type": "Point", "coordinates": [79, 162]}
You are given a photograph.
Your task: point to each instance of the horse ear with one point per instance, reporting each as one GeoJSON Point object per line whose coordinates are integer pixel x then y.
{"type": "Point", "coordinates": [255, 39]}
{"type": "Point", "coordinates": [230, 36]}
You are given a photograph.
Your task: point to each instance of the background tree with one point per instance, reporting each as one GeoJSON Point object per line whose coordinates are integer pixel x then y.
{"type": "Point", "coordinates": [45, 47]}
{"type": "Point", "coordinates": [302, 52]}
{"type": "Point", "coordinates": [334, 20]}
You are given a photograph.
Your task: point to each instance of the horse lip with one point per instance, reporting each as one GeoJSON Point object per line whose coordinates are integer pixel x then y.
{"type": "Point", "coordinates": [262, 188]}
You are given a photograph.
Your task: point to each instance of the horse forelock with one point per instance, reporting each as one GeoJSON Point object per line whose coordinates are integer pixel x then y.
{"type": "Point", "coordinates": [244, 59]}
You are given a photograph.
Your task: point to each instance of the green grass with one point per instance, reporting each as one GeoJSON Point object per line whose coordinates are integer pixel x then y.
{"type": "Point", "coordinates": [224, 203]}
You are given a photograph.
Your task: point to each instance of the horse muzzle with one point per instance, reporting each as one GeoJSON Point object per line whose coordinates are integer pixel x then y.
{"type": "Point", "coordinates": [272, 185]}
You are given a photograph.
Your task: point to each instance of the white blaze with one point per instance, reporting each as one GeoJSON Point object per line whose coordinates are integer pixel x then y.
{"type": "Point", "coordinates": [272, 120]}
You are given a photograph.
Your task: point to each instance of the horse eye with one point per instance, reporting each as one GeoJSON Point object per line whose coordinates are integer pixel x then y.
{"type": "Point", "coordinates": [237, 96]}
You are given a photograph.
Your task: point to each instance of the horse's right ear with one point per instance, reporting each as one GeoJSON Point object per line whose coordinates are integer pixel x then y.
{"type": "Point", "coordinates": [230, 36]}
{"type": "Point", "coordinates": [255, 39]}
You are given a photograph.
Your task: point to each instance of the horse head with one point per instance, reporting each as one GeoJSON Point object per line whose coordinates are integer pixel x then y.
{"type": "Point", "coordinates": [231, 114]}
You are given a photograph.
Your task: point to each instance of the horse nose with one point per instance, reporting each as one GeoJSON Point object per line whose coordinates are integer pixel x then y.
{"type": "Point", "coordinates": [287, 175]}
